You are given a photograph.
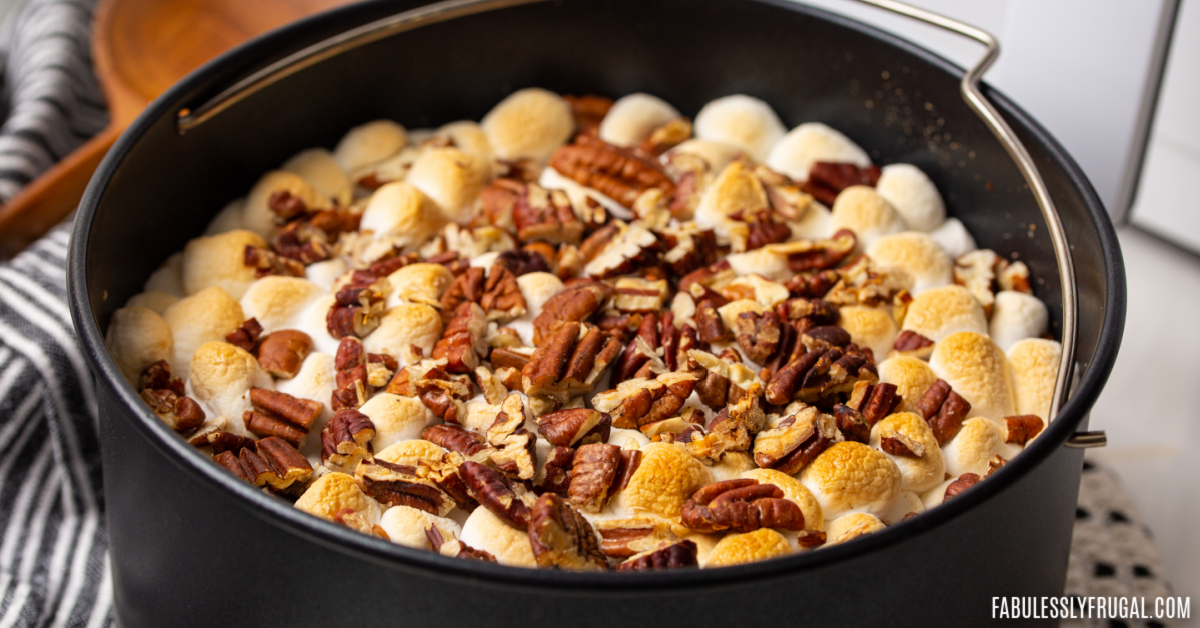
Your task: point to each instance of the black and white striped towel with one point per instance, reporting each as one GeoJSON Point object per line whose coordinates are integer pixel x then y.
{"type": "Point", "coordinates": [53, 549]}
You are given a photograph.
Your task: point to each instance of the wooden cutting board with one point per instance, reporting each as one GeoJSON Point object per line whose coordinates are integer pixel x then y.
{"type": "Point", "coordinates": [140, 47]}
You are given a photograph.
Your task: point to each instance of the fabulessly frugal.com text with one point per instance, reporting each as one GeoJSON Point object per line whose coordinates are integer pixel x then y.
{"type": "Point", "coordinates": [1076, 607]}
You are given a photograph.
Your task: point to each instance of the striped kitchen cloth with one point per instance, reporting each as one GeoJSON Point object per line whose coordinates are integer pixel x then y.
{"type": "Point", "coordinates": [53, 547]}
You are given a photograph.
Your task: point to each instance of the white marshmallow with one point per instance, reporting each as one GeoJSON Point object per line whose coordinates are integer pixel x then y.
{"type": "Point", "coordinates": [1033, 366]}
{"type": "Point", "coordinates": [370, 143]}
{"type": "Point", "coordinates": [401, 212]}
{"type": "Point", "coordinates": [954, 238]}
{"type": "Point", "coordinates": [1017, 316]}
{"type": "Point", "coordinates": [322, 171]}
{"type": "Point", "coordinates": [406, 526]}
{"type": "Point", "coordinates": [137, 337]}
{"type": "Point", "coordinates": [227, 219]}
{"type": "Point", "coordinates": [913, 195]}
{"type": "Point", "coordinates": [809, 143]}
{"type": "Point", "coordinates": [633, 118]}
{"type": "Point", "coordinates": [917, 254]}
{"type": "Point", "coordinates": [278, 302]}
{"type": "Point", "coordinates": [485, 531]}
{"type": "Point", "coordinates": [396, 418]}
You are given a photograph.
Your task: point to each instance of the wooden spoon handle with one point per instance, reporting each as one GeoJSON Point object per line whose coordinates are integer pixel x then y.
{"type": "Point", "coordinates": [50, 197]}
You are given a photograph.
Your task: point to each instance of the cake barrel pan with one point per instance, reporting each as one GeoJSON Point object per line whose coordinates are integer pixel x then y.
{"type": "Point", "coordinates": [194, 546]}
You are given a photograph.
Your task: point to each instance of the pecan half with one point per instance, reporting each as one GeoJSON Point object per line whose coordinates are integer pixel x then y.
{"type": "Point", "coordinates": [502, 300]}
{"type": "Point", "coordinates": [1023, 428]}
{"type": "Point", "coordinates": [246, 335]}
{"type": "Point", "coordinates": [709, 325]}
{"type": "Point", "coordinates": [571, 305]}
{"type": "Point", "coordinates": [852, 424]}
{"type": "Point", "coordinates": [964, 482]}
{"type": "Point", "coordinates": [180, 413]}
{"type": "Point", "coordinates": [271, 462]}
{"type": "Point", "coordinates": [593, 474]}
{"type": "Point", "coordinates": [913, 344]}
{"type": "Point", "coordinates": [561, 538]}
{"type": "Point", "coordinates": [637, 402]}
{"type": "Point", "coordinates": [622, 538]}
{"type": "Point", "coordinates": [741, 505]}
{"type": "Point", "coordinates": [589, 111]}
{"type": "Point", "coordinates": [299, 412]}
{"type": "Point", "coordinates": [261, 424]}
{"type": "Point", "coordinates": [574, 426]}
{"type": "Point", "coordinates": [944, 409]}
{"type": "Point", "coordinates": [874, 401]}
{"type": "Point", "coordinates": [615, 172]}
{"type": "Point", "coordinates": [825, 337]}
{"type": "Point", "coordinates": [826, 179]}
{"type": "Point", "coordinates": [346, 439]}
{"type": "Point", "coordinates": [493, 491]}
{"type": "Point", "coordinates": [822, 254]}
{"type": "Point", "coordinates": [454, 438]}
{"type": "Point", "coordinates": [400, 485]}
{"type": "Point", "coordinates": [283, 352]}
{"type": "Point", "coordinates": [641, 350]}
{"type": "Point", "coordinates": [674, 556]}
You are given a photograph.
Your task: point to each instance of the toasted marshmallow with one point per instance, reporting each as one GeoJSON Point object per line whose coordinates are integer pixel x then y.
{"type": "Point", "coordinates": [634, 117]}
{"type": "Point", "coordinates": [909, 502]}
{"type": "Point", "coordinates": [911, 377]}
{"type": "Point", "coordinates": [154, 300]}
{"type": "Point", "coordinates": [954, 238]}
{"type": "Point", "coordinates": [408, 452]}
{"type": "Point", "coordinates": [1017, 316]}
{"type": "Point", "coordinates": [936, 495]}
{"type": "Point", "coordinates": [918, 474]}
{"type": "Point", "coordinates": [137, 337]}
{"type": "Point", "coordinates": [809, 143]}
{"type": "Point", "coordinates": [227, 219]}
{"type": "Point", "coordinates": [370, 143]}
{"type": "Point", "coordinates": [851, 526]}
{"type": "Point", "coordinates": [323, 172]}
{"type": "Point", "coordinates": [316, 380]}
{"type": "Point", "coordinates": [530, 123]}
{"type": "Point", "coordinates": [334, 492]}
{"type": "Point", "coordinates": [665, 480]}
{"type": "Point", "coordinates": [732, 465]}
{"type": "Point", "coordinates": [735, 189]}
{"type": "Point", "coordinates": [863, 211]}
{"type": "Point", "coordinates": [742, 121]}
{"type": "Point", "coordinates": [221, 376]}
{"type": "Point", "coordinates": [207, 316]}
{"type": "Point", "coordinates": [748, 547]}
{"type": "Point", "coordinates": [419, 283]}
{"type": "Point", "coordinates": [217, 261]}
{"type": "Point", "coordinates": [468, 136]}
{"type": "Point", "coordinates": [977, 443]}
{"type": "Point", "coordinates": [402, 326]}
{"type": "Point", "coordinates": [870, 327]}
{"type": "Point", "coordinates": [976, 369]}
{"type": "Point", "coordinates": [764, 261]}
{"type": "Point", "coordinates": [536, 289]}
{"type": "Point", "coordinates": [1033, 365]}
{"type": "Point", "coordinates": [406, 526]}
{"type": "Point", "coordinates": [793, 490]}
{"type": "Point", "coordinates": [257, 215]}
{"type": "Point", "coordinates": [485, 531]}
{"type": "Point", "coordinates": [851, 476]}
{"type": "Point", "coordinates": [312, 321]}
{"type": "Point", "coordinates": [396, 418]}
{"type": "Point", "coordinates": [913, 195]}
{"type": "Point", "coordinates": [452, 178]}
{"type": "Point", "coordinates": [815, 224]}
{"type": "Point", "coordinates": [716, 155]}
{"type": "Point", "coordinates": [917, 254]}
{"type": "Point", "coordinates": [277, 302]}
{"type": "Point", "coordinates": [939, 312]}
{"type": "Point", "coordinates": [168, 278]}
{"type": "Point", "coordinates": [402, 213]}
{"type": "Point", "coordinates": [622, 437]}
{"type": "Point", "coordinates": [325, 273]}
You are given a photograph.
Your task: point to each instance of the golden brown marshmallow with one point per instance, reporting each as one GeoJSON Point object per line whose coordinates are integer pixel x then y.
{"type": "Point", "coordinates": [406, 526]}
{"type": "Point", "coordinates": [403, 214]}
{"type": "Point", "coordinates": [207, 316]}
{"type": "Point", "coordinates": [869, 327]}
{"type": "Point", "coordinates": [257, 215]}
{"type": "Point", "coordinates": [218, 261]}
{"type": "Point", "coordinates": [918, 254]}
{"type": "Point", "coordinates": [918, 474]}
{"type": "Point", "coordinates": [419, 283]}
{"type": "Point", "coordinates": [452, 178]}
{"type": "Point", "coordinates": [370, 143]}
{"type": "Point", "coordinates": [735, 189]}
{"type": "Point", "coordinates": [976, 369]}
{"type": "Point", "coordinates": [467, 135]}
{"type": "Point", "coordinates": [153, 300]}
{"type": "Point", "coordinates": [402, 326]}
{"type": "Point", "coordinates": [1033, 366]}
{"type": "Point", "coordinates": [748, 547]}
{"type": "Point", "coordinates": [943, 311]}
{"type": "Point", "coordinates": [634, 117]}
{"type": "Point", "coordinates": [851, 526]}
{"type": "Point", "coordinates": [977, 443]}
{"type": "Point", "coordinates": [530, 123]}
{"type": "Point", "coordinates": [168, 278]}
{"type": "Point", "coordinates": [485, 531]}
{"type": "Point", "coordinates": [851, 476]}
{"type": "Point", "coordinates": [665, 480]}
{"type": "Point", "coordinates": [221, 376]}
{"type": "Point", "coordinates": [323, 172]}
{"type": "Point", "coordinates": [277, 302]}
{"type": "Point", "coordinates": [863, 211]}
{"type": "Point", "coordinates": [137, 337]}
{"type": "Point", "coordinates": [334, 492]}
{"type": "Point", "coordinates": [1017, 316]}
{"type": "Point", "coordinates": [228, 219]}
{"type": "Point", "coordinates": [909, 502]}
{"type": "Point", "coordinates": [742, 121]}
{"type": "Point", "coordinates": [809, 143]}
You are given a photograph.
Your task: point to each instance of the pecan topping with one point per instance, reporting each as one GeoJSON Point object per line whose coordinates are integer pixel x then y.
{"type": "Point", "coordinates": [852, 424]}
{"type": "Point", "coordinates": [555, 475]}
{"type": "Point", "coordinates": [898, 444]}
{"type": "Point", "coordinates": [443, 394]}
{"type": "Point", "coordinates": [667, 136]}
{"type": "Point", "coordinates": [964, 482]}
{"type": "Point", "coordinates": [462, 339]}
{"type": "Point", "coordinates": [813, 285]}
{"type": "Point", "coordinates": [823, 254]}
{"type": "Point", "coordinates": [266, 262]}
{"type": "Point", "coordinates": [261, 424]}
{"type": "Point", "coordinates": [574, 426]}
{"type": "Point", "coordinates": [246, 335]}
{"type": "Point", "coordinates": [493, 491]}
{"type": "Point", "coordinates": [827, 179]}
{"type": "Point", "coordinates": [400, 485]}
{"type": "Point", "coordinates": [282, 352]}
{"type": "Point", "coordinates": [733, 429]}
{"type": "Point", "coordinates": [709, 325]}
{"type": "Point", "coordinates": [513, 445]}
{"type": "Point", "coordinates": [525, 260]}
{"type": "Point", "coordinates": [820, 373]}
{"type": "Point", "coordinates": [546, 216]}
{"type": "Point", "coordinates": [825, 337]}
{"type": "Point", "coordinates": [589, 111]}
{"type": "Point", "coordinates": [622, 538]}
{"type": "Point", "coordinates": [454, 438]}
{"type": "Point", "coordinates": [819, 311]}
{"type": "Point", "coordinates": [874, 401]}
{"type": "Point", "coordinates": [615, 172]}
{"type": "Point", "coordinates": [976, 271]}
{"type": "Point", "coordinates": [673, 556]}
{"type": "Point", "coordinates": [561, 538]}
{"type": "Point", "coordinates": [1023, 428]}
{"type": "Point", "coordinates": [358, 307]}
{"type": "Point", "coordinates": [565, 364]}
{"type": "Point", "coordinates": [271, 462]}
{"type": "Point", "coordinates": [503, 357]}
{"type": "Point", "coordinates": [637, 402]}
{"type": "Point", "coordinates": [221, 441]}
{"type": "Point", "coordinates": [299, 412]}
{"type": "Point", "coordinates": [180, 413]}
{"type": "Point", "coordinates": [911, 343]}
{"type": "Point", "coordinates": [444, 543]}
{"type": "Point", "coordinates": [863, 283]}
{"type": "Point", "coordinates": [157, 376]}
{"type": "Point", "coordinates": [593, 474]}
{"type": "Point", "coordinates": [809, 539]}
{"type": "Point", "coordinates": [759, 334]}
{"type": "Point", "coordinates": [741, 505]}
{"type": "Point", "coordinates": [780, 450]}
{"type": "Point", "coordinates": [944, 409]}
{"type": "Point", "coordinates": [346, 439]}
{"type": "Point", "coordinates": [643, 348]}
{"type": "Point", "coordinates": [574, 304]}
{"type": "Point", "coordinates": [635, 295]}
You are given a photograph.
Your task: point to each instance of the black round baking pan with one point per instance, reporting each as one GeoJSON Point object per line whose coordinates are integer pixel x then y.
{"type": "Point", "coordinates": [194, 546]}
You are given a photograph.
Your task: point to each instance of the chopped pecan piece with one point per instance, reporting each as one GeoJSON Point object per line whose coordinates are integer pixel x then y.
{"type": "Point", "coordinates": [503, 357]}
{"type": "Point", "coordinates": [221, 441]}
{"type": "Point", "coordinates": [688, 251]}
{"type": "Point", "coordinates": [443, 394]}
{"type": "Point", "coordinates": [266, 262]}
{"type": "Point", "coordinates": [593, 474]}
{"type": "Point", "coordinates": [282, 352]}
{"type": "Point", "coordinates": [964, 482]}
{"type": "Point", "coordinates": [824, 435]}
{"type": "Point", "coordinates": [976, 271]}
{"type": "Point", "coordinates": [898, 444]}
{"type": "Point", "coordinates": [444, 543]}
{"type": "Point", "coordinates": [467, 287]}
{"type": "Point", "coordinates": [813, 285]}
{"type": "Point", "coordinates": [852, 424]}
{"type": "Point", "coordinates": [574, 304]}
{"type": "Point", "coordinates": [759, 335]}
{"type": "Point", "coordinates": [863, 283]}
{"type": "Point", "coordinates": [555, 475]}
{"type": "Point", "coordinates": [546, 216]}
{"type": "Point", "coordinates": [622, 538]}
{"type": "Point", "coordinates": [358, 307]}
{"type": "Point", "coordinates": [261, 424]}
{"type": "Point", "coordinates": [709, 325]}
{"type": "Point", "coordinates": [774, 444]}
{"type": "Point", "coordinates": [346, 439]}
{"type": "Point", "coordinates": [641, 350]}
{"type": "Point", "coordinates": [822, 254]}
{"type": "Point", "coordinates": [454, 438]}
{"type": "Point", "coordinates": [913, 344]}
{"type": "Point", "coordinates": [299, 412]}
{"type": "Point", "coordinates": [825, 337]}
{"type": "Point", "coordinates": [615, 172]}
{"type": "Point", "coordinates": [944, 409]}
{"type": "Point", "coordinates": [1021, 429]}
{"type": "Point", "coordinates": [874, 401]}
{"type": "Point", "coordinates": [157, 376]}
{"type": "Point", "coordinates": [667, 136]}
{"type": "Point", "coordinates": [674, 556]}
{"type": "Point", "coordinates": [635, 295]}
{"type": "Point", "coordinates": [826, 179]}
{"type": "Point", "coordinates": [741, 505]}
{"type": "Point", "coordinates": [561, 538]}
{"type": "Point", "coordinates": [462, 344]}
{"type": "Point", "coordinates": [513, 445]}
{"type": "Point", "coordinates": [733, 429]}
{"type": "Point", "coordinates": [271, 462]}
{"type": "Point", "coordinates": [574, 426]}
{"type": "Point", "coordinates": [493, 491]}
{"type": "Point", "coordinates": [637, 402]}
{"type": "Point", "coordinates": [180, 413]}
{"type": "Point", "coordinates": [589, 110]}
{"type": "Point", "coordinates": [809, 539]}
{"type": "Point", "coordinates": [246, 335]}
{"type": "Point", "coordinates": [819, 311]}
{"type": "Point", "coordinates": [524, 261]}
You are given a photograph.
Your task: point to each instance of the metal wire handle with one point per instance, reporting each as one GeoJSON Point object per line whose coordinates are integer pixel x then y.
{"type": "Point", "coordinates": [450, 9]}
